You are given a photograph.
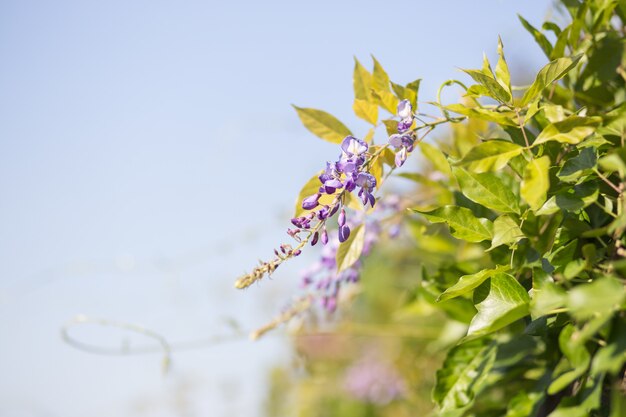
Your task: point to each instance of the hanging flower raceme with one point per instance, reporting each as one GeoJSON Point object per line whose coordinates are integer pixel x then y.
{"type": "Point", "coordinates": [404, 140]}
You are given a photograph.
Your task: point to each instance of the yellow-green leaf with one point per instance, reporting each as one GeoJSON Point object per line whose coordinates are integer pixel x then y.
{"type": "Point", "coordinates": [386, 100]}
{"type": "Point", "coordinates": [350, 250]}
{"type": "Point", "coordinates": [500, 301]}
{"type": "Point", "coordinates": [505, 231]}
{"type": "Point", "coordinates": [366, 110]}
{"type": "Point", "coordinates": [491, 155]}
{"type": "Point", "coordinates": [462, 222]}
{"type": "Point", "coordinates": [380, 80]}
{"type": "Point", "coordinates": [502, 69]}
{"type": "Point", "coordinates": [554, 71]}
{"type": "Point", "coordinates": [536, 182]}
{"type": "Point", "coordinates": [435, 156]}
{"type": "Point", "coordinates": [487, 189]}
{"type": "Point", "coordinates": [362, 81]}
{"type": "Point", "coordinates": [323, 124]}
{"type": "Point", "coordinates": [571, 130]}
{"type": "Point", "coordinates": [505, 118]}
{"type": "Point", "coordinates": [467, 283]}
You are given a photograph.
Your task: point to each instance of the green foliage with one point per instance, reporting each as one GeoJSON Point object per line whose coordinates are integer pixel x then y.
{"type": "Point", "coordinates": [516, 248]}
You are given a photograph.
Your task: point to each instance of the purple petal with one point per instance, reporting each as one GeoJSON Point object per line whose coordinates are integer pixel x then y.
{"type": "Point", "coordinates": [344, 233]}
{"type": "Point", "coordinates": [311, 202]}
{"type": "Point", "coordinates": [405, 109]}
{"type": "Point", "coordinates": [353, 146]}
{"type": "Point", "coordinates": [395, 140]}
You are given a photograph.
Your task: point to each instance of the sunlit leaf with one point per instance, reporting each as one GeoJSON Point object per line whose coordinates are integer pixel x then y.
{"type": "Point", "coordinates": [323, 124]}
{"type": "Point", "coordinates": [350, 251]}
{"type": "Point", "coordinates": [571, 130]}
{"type": "Point", "coordinates": [552, 72]}
{"type": "Point", "coordinates": [380, 80]}
{"type": "Point", "coordinates": [491, 155]}
{"type": "Point", "coordinates": [436, 157]}
{"type": "Point", "coordinates": [495, 89]}
{"type": "Point", "coordinates": [464, 225]}
{"type": "Point", "coordinates": [365, 110]}
{"type": "Point", "coordinates": [505, 231]}
{"type": "Point", "coordinates": [500, 301]}
{"type": "Point", "coordinates": [502, 69]}
{"type": "Point", "coordinates": [536, 182]}
{"type": "Point", "coordinates": [362, 82]}
{"type": "Point", "coordinates": [487, 189]}
{"type": "Point", "coordinates": [467, 283]}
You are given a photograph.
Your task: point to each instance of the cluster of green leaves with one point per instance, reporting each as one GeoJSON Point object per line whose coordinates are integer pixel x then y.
{"type": "Point", "coordinates": [520, 224]}
{"type": "Point", "coordinates": [542, 194]}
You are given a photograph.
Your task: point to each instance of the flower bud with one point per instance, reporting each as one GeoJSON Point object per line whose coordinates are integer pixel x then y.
{"type": "Point", "coordinates": [344, 233]}
{"type": "Point", "coordinates": [316, 236]}
{"type": "Point", "coordinates": [311, 202]}
{"type": "Point", "coordinates": [341, 219]}
{"type": "Point", "coordinates": [324, 237]}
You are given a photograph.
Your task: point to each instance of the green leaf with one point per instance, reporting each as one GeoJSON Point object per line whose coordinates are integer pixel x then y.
{"type": "Point", "coordinates": [572, 199]}
{"type": "Point", "coordinates": [554, 71]}
{"type": "Point", "coordinates": [464, 225]}
{"type": "Point", "coordinates": [463, 374]}
{"type": "Point", "coordinates": [494, 88]}
{"type": "Point", "coordinates": [536, 182]}
{"type": "Point", "coordinates": [571, 130]}
{"type": "Point", "coordinates": [546, 298]}
{"type": "Point", "coordinates": [524, 404]}
{"type": "Point", "coordinates": [611, 358]}
{"type": "Point", "coordinates": [487, 189]}
{"type": "Point", "coordinates": [350, 251]}
{"type": "Point", "coordinates": [600, 296]}
{"type": "Point", "coordinates": [540, 38]}
{"type": "Point", "coordinates": [615, 162]}
{"type": "Point", "coordinates": [322, 124]}
{"type": "Point", "coordinates": [505, 231]}
{"type": "Point", "coordinates": [467, 283]}
{"type": "Point", "coordinates": [500, 301]}
{"type": "Point", "coordinates": [578, 360]}
{"type": "Point", "coordinates": [437, 158]}
{"type": "Point", "coordinates": [614, 122]}
{"type": "Point", "coordinates": [491, 155]}
{"type": "Point", "coordinates": [361, 81]}
{"type": "Point", "coordinates": [365, 110]}
{"type": "Point", "coordinates": [581, 164]}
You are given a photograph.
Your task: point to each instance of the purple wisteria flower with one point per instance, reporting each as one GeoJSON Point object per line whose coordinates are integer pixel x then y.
{"type": "Point", "coordinates": [346, 174]}
{"type": "Point", "coordinates": [403, 141]}
{"type": "Point", "coordinates": [353, 146]}
{"type": "Point", "coordinates": [405, 113]}
{"type": "Point", "coordinates": [367, 182]}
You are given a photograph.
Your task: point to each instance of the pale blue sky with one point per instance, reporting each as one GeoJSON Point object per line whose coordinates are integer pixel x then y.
{"type": "Point", "coordinates": [149, 155]}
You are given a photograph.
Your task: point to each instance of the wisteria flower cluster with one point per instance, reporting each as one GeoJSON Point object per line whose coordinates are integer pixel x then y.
{"type": "Point", "coordinates": [348, 174]}
{"type": "Point", "coordinates": [351, 172]}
